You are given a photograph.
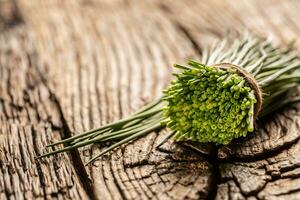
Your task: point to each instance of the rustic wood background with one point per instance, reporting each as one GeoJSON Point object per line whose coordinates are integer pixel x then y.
{"type": "Point", "coordinates": [68, 66]}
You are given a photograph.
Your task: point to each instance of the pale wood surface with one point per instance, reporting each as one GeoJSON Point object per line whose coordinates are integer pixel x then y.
{"type": "Point", "coordinates": [68, 66]}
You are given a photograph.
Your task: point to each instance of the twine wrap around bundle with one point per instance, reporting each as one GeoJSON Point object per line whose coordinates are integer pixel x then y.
{"type": "Point", "coordinates": [250, 80]}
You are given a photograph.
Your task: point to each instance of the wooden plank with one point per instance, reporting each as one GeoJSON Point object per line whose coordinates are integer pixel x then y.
{"type": "Point", "coordinates": [98, 61]}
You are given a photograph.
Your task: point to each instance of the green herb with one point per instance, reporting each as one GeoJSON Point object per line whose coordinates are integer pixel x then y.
{"type": "Point", "coordinates": [217, 100]}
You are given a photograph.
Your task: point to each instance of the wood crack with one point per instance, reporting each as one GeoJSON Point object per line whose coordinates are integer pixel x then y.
{"type": "Point", "coordinates": [190, 38]}
{"type": "Point", "coordinates": [65, 133]}
{"type": "Point", "coordinates": [259, 157]}
{"type": "Point", "coordinates": [216, 177]}
{"type": "Point", "coordinates": [38, 165]}
{"type": "Point", "coordinates": [74, 154]}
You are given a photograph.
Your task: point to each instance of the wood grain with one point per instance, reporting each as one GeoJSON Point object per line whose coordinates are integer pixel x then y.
{"type": "Point", "coordinates": [29, 119]}
{"type": "Point", "coordinates": [68, 66]}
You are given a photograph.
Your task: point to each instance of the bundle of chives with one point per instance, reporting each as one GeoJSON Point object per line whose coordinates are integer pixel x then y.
{"type": "Point", "coordinates": [216, 100]}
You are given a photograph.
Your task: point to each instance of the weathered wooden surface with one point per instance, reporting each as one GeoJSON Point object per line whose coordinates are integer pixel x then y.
{"type": "Point", "coordinates": [68, 66]}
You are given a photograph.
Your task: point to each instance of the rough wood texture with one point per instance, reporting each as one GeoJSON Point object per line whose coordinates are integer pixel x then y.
{"type": "Point", "coordinates": [29, 118]}
{"type": "Point", "coordinates": [68, 66]}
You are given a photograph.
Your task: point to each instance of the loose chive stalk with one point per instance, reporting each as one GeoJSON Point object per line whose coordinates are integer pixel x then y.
{"type": "Point", "coordinates": [216, 100]}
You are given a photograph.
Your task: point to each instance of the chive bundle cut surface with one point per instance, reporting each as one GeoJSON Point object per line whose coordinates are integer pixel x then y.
{"type": "Point", "coordinates": [215, 100]}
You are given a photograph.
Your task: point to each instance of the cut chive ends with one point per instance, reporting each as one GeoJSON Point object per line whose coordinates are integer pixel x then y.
{"type": "Point", "coordinates": [215, 100]}
{"type": "Point", "coordinates": [209, 104]}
